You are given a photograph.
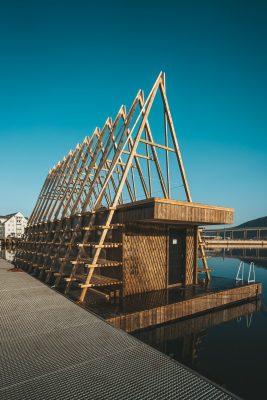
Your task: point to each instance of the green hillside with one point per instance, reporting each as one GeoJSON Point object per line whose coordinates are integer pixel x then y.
{"type": "Point", "coordinates": [259, 222]}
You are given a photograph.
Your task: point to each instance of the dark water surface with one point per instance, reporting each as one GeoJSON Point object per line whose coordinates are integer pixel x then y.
{"type": "Point", "coordinates": [227, 346]}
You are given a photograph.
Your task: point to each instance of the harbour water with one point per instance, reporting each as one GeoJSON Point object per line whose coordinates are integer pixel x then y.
{"type": "Point", "coordinates": [230, 348]}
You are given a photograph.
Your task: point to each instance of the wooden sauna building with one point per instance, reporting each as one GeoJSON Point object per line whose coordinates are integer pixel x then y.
{"type": "Point", "coordinates": [108, 222]}
{"type": "Point", "coordinates": [158, 243]}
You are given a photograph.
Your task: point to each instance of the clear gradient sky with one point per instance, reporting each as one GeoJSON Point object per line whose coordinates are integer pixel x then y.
{"type": "Point", "coordinates": [67, 65]}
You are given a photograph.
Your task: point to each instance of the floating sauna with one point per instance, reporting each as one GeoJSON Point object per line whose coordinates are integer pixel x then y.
{"type": "Point", "coordinates": [115, 217]}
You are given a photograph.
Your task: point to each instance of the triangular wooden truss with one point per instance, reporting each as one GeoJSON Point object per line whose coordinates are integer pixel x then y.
{"type": "Point", "coordinates": [118, 164]}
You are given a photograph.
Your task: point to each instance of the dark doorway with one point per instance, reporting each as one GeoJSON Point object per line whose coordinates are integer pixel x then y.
{"type": "Point", "coordinates": [177, 256]}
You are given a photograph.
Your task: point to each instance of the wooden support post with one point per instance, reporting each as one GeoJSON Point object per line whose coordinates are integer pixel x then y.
{"type": "Point", "coordinates": [182, 170]}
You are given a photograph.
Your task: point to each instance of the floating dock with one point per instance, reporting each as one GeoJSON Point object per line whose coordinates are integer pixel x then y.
{"type": "Point", "coordinates": [53, 349]}
{"type": "Point", "coordinates": [156, 308]}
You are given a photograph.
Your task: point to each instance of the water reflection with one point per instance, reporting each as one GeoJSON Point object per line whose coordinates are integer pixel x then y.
{"type": "Point", "coordinates": [182, 340]}
{"type": "Point", "coordinates": [228, 346]}
{"type": "Point", "coordinates": [257, 255]}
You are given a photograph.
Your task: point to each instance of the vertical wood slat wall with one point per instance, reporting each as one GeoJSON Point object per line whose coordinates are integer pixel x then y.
{"type": "Point", "coordinates": [191, 257]}
{"type": "Point", "coordinates": [145, 257]}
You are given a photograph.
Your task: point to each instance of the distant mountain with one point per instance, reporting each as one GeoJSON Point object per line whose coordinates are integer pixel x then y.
{"type": "Point", "coordinates": [254, 223]}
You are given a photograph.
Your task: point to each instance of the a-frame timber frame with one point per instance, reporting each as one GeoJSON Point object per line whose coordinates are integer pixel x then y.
{"type": "Point", "coordinates": [107, 170]}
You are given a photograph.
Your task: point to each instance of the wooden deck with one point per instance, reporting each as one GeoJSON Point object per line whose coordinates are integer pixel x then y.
{"type": "Point", "coordinates": [53, 349]}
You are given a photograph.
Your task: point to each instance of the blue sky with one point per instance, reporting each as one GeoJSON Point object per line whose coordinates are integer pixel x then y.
{"type": "Point", "coordinates": [67, 65]}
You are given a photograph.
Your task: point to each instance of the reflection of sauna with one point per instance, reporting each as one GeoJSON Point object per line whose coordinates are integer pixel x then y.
{"type": "Point", "coordinates": [181, 339]}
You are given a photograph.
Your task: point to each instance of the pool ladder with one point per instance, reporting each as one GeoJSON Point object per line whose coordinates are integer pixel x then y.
{"type": "Point", "coordinates": [251, 274]}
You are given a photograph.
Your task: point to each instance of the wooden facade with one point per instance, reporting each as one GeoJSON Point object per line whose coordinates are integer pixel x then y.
{"type": "Point", "coordinates": [181, 212]}
{"type": "Point", "coordinates": [146, 257]}
{"type": "Point", "coordinates": [106, 221]}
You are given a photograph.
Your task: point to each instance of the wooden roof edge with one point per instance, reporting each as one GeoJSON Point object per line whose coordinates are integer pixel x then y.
{"type": "Point", "coordinates": [182, 223]}
{"type": "Point", "coordinates": [193, 204]}
{"type": "Point", "coordinates": [154, 200]}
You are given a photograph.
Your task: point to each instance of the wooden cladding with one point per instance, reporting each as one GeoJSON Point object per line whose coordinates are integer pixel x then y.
{"type": "Point", "coordinates": [191, 256]}
{"type": "Point", "coordinates": [192, 212]}
{"type": "Point", "coordinates": [144, 258]}
{"type": "Point", "coordinates": [174, 211]}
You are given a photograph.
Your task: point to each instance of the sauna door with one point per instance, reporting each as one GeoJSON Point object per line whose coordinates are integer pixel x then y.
{"type": "Point", "coordinates": [176, 268]}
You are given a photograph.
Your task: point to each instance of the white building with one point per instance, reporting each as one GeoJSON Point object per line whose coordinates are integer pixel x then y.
{"type": "Point", "coordinates": [12, 225]}
{"type": "Point", "coordinates": [7, 255]}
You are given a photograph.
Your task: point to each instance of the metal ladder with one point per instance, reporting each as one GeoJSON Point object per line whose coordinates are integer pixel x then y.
{"type": "Point", "coordinates": [251, 274]}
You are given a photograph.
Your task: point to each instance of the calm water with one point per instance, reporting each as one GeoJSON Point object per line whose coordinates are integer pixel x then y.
{"type": "Point", "coordinates": [231, 353]}
{"type": "Point", "coordinates": [228, 346]}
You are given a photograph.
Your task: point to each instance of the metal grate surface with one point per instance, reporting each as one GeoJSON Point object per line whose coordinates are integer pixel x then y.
{"type": "Point", "coordinates": [53, 349]}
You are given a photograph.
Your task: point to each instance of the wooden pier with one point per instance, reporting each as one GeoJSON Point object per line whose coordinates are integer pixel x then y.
{"type": "Point", "coordinates": [245, 233]}
{"type": "Point", "coordinates": [53, 349]}
{"type": "Point", "coordinates": [236, 243]}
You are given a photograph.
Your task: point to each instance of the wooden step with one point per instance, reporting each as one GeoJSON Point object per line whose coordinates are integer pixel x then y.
{"type": "Point", "coordinates": [101, 280]}
{"type": "Point", "coordinates": [101, 246]}
{"type": "Point", "coordinates": [205, 270]}
{"type": "Point", "coordinates": [105, 263]}
{"type": "Point", "coordinates": [96, 280]}
{"type": "Point", "coordinates": [96, 227]}
{"type": "Point", "coordinates": [59, 274]}
{"type": "Point", "coordinates": [98, 293]}
{"type": "Point", "coordinates": [61, 244]}
{"type": "Point", "coordinates": [100, 263]}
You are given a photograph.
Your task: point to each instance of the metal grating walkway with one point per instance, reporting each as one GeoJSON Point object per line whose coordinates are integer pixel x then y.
{"type": "Point", "coordinates": [53, 349]}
